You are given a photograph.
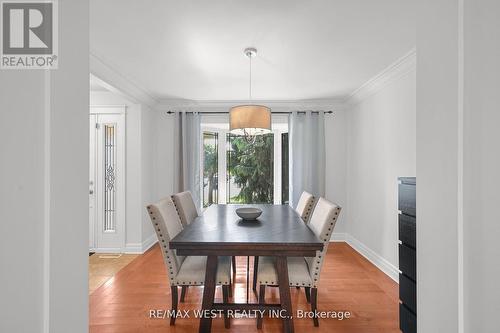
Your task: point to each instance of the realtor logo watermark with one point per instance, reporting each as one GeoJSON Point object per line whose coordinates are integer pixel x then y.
{"type": "Point", "coordinates": [29, 35]}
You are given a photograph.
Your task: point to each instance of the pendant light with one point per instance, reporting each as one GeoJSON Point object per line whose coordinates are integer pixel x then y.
{"type": "Point", "coordinates": [250, 120]}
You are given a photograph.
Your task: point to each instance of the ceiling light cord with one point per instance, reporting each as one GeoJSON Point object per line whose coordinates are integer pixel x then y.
{"type": "Point", "coordinates": [250, 139]}
{"type": "Point", "coordinates": [250, 78]}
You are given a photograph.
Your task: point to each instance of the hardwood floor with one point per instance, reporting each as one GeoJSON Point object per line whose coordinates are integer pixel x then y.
{"type": "Point", "coordinates": [103, 267]}
{"type": "Point", "coordinates": [348, 283]}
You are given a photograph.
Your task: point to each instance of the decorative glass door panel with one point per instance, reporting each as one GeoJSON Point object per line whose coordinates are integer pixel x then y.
{"type": "Point", "coordinates": [109, 178]}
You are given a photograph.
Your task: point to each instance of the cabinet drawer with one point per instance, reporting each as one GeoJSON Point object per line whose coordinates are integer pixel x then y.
{"type": "Point", "coordinates": [407, 320]}
{"type": "Point", "coordinates": [408, 261]}
{"type": "Point", "coordinates": [408, 230]}
{"type": "Point", "coordinates": [407, 199]}
{"type": "Point", "coordinates": [408, 292]}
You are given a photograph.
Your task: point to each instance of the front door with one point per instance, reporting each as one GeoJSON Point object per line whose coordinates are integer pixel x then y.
{"type": "Point", "coordinates": [106, 183]}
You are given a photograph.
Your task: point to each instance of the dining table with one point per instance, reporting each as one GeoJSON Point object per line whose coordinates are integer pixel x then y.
{"type": "Point", "coordinates": [279, 232]}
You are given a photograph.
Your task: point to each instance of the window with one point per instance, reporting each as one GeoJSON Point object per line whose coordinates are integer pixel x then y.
{"type": "Point", "coordinates": [210, 168]}
{"type": "Point", "coordinates": [237, 172]}
{"type": "Point", "coordinates": [250, 170]}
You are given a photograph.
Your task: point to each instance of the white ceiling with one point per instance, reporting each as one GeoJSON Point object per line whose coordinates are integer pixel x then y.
{"type": "Point", "coordinates": [194, 49]}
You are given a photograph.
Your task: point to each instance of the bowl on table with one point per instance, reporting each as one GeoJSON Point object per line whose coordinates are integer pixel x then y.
{"type": "Point", "coordinates": [248, 213]}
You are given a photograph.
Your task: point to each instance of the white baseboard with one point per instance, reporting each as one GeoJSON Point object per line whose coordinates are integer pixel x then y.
{"type": "Point", "coordinates": [133, 248]}
{"type": "Point", "coordinates": [389, 269]}
{"type": "Point", "coordinates": [373, 257]}
{"type": "Point", "coordinates": [338, 237]}
{"type": "Point", "coordinates": [107, 250]}
{"type": "Point", "coordinates": [149, 242]}
{"type": "Point", "coordinates": [140, 248]}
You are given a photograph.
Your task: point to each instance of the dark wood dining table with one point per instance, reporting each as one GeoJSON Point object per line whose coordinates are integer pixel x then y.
{"type": "Point", "coordinates": [278, 232]}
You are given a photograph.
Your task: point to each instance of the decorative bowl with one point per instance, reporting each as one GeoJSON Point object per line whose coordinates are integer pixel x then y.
{"type": "Point", "coordinates": [248, 213]}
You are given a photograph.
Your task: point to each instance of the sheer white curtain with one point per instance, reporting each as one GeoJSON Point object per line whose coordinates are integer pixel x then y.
{"type": "Point", "coordinates": [187, 154]}
{"type": "Point", "coordinates": [307, 154]}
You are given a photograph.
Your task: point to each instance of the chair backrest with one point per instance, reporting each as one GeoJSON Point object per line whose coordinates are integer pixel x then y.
{"type": "Point", "coordinates": [185, 206]}
{"type": "Point", "coordinates": [305, 206]}
{"type": "Point", "coordinates": [167, 225]}
{"type": "Point", "coordinates": [322, 222]}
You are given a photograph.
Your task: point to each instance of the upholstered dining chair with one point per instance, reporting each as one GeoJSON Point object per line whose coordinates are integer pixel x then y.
{"type": "Point", "coordinates": [303, 272]}
{"type": "Point", "coordinates": [305, 206]}
{"type": "Point", "coordinates": [185, 206]}
{"type": "Point", "coordinates": [187, 211]}
{"type": "Point", "coordinates": [184, 270]}
{"type": "Point", "coordinates": [304, 209]}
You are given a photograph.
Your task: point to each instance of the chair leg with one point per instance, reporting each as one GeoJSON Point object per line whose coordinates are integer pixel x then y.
{"type": "Point", "coordinates": [233, 259]}
{"type": "Point", "coordinates": [255, 270]}
{"type": "Point", "coordinates": [314, 305]}
{"type": "Point", "coordinates": [230, 292]}
{"type": "Point", "coordinates": [262, 297]}
{"type": "Point", "coordinates": [183, 293]}
{"type": "Point", "coordinates": [308, 294]}
{"type": "Point", "coordinates": [225, 299]}
{"type": "Point", "coordinates": [175, 299]}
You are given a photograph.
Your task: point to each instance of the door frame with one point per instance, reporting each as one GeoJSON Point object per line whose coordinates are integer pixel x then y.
{"type": "Point", "coordinates": [121, 218]}
{"type": "Point", "coordinates": [92, 186]}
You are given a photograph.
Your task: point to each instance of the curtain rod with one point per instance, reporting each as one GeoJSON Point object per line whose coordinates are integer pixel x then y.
{"type": "Point", "coordinates": [227, 112]}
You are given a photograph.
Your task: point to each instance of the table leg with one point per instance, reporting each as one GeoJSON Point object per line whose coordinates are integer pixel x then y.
{"type": "Point", "coordinates": [284, 288]}
{"type": "Point", "coordinates": [248, 275]}
{"type": "Point", "coordinates": [208, 294]}
{"type": "Point", "coordinates": [255, 271]}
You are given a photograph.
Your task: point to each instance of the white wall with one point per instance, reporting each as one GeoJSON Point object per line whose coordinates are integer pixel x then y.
{"type": "Point", "coordinates": [22, 184]}
{"type": "Point", "coordinates": [380, 148]}
{"type": "Point", "coordinates": [165, 154]}
{"type": "Point", "coordinates": [481, 167]}
{"type": "Point", "coordinates": [437, 166]}
{"type": "Point", "coordinates": [149, 173]}
{"type": "Point", "coordinates": [44, 189]}
{"type": "Point", "coordinates": [133, 240]}
{"type": "Point", "coordinates": [335, 166]}
{"type": "Point", "coordinates": [457, 164]}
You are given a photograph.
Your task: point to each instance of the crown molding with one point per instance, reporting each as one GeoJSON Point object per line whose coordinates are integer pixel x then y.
{"type": "Point", "coordinates": [399, 68]}
{"type": "Point", "coordinates": [224, 105]}
{"type": "Point", "coordinates": [112, 80]}
{"type": "Point", "coordinates": [116, 82]}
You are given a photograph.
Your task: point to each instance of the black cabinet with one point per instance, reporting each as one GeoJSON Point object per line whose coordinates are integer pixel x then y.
{"type": "Point", "coordinates": [407, 261]}
{"type": "Point", "coordinates": [407, 254]}
{"type": "Point", "coordinates": [408, 230]}
{"type": "Point", "coordinates": [408, 292]}
{"type": "Point", "coordinates": [407, 320]}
